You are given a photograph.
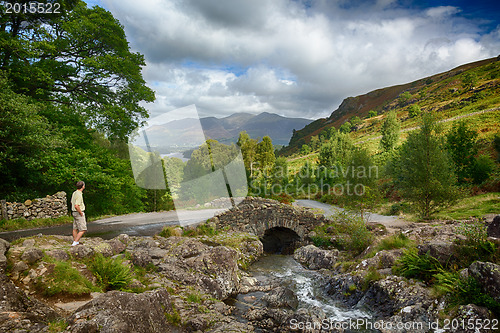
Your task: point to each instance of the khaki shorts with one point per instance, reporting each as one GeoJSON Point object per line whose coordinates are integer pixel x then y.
{"type": "Point", "coordinates": [79, 222]}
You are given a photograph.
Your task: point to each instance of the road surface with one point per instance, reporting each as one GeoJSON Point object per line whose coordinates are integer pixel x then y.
{"type": "Point", "coordinates": [137, 224]}
{"type": "Point", "coordinates": [390, 222]}
{"type": "Point", "coordinates": [149, 224]}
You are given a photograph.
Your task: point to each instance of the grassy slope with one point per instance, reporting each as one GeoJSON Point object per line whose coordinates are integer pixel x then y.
{"type": "Point", "coordinates": [442, 93]}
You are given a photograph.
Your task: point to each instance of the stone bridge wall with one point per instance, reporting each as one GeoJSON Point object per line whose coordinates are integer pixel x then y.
{"type": "Point", "coordinates": [49, 207]}
{"type": "Point", "coordinates": [256, 215]}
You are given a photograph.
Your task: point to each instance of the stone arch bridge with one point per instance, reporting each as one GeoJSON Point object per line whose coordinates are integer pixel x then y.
{"type": "Point", "coordinates": [279, 226]}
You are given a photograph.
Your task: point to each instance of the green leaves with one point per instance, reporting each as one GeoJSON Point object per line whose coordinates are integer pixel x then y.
{"type": "Point", "coordinates": [390, 132]}
{"type": "Point", "coordinates": [424, 170]}
{"type": "Point", "coordinates": [81, 59]}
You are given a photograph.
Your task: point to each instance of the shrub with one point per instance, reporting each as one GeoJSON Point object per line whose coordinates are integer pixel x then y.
{"type": "Point", "coordinates": [111, 273]}
{"type": "Point", "coordinates": [321, 241]}
{"type": "Point", "coordinates": [476, 245]}
{"type": "Point", "coordinates": [414, 111]}
{"type": "Point", "coordinates": [194, 297]}
{"type": "Point", "coordinates": [483, 169]}
{"type": "Point", "coordinates": [57, 326]}
{"type": "Point", "coordinates": [174, 318]}
{"type": "Point", "coordinates": [475, 231]}
{"type": "Point", "coordinates": [64, 278]}
{"type": "Point", "coordinates": [469, 291]}
{"type": "Point", "coordinates": [400, 207]}
{"type": "Point", "coordinates": [372, 113]}
{"type": "Point", "coordinates": [200, 230]}
{"type": "Point", "coordinates": [353, 235]}
{"type": "Point", "coordinates": [170, 231]}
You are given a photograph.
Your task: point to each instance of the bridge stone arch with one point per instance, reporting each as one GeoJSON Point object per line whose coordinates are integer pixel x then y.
{"type": "Point", "coordinates": [262, 216]}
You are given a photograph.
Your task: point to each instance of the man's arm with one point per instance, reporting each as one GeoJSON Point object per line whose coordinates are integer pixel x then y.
{"type": "Point", "coordinates": [78, 209]}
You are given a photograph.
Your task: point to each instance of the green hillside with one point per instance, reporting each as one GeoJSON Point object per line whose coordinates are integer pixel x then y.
{"type": "Point", "coordinates": [465, 90]}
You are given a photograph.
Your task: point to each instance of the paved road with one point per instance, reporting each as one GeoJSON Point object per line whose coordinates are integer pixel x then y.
{"type": "Point", "coordinates": [388, 221]}
{"type": "Point", "coordinates": [149, 224]}
{"type": "Point", "coordinates": [137, 224]}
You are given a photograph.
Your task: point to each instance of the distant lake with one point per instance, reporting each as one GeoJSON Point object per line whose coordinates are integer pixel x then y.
{"type": "Point", "coordinates": [177, 155]}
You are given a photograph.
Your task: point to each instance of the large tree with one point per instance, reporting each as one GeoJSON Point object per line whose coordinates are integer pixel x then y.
{"type": "Point", "coordinates": [424, 170]}
{"type": "Point", "coordinates": [79, 59]}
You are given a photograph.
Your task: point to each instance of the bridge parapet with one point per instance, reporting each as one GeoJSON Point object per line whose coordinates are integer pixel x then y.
{"type": "Point", "coordinates": [256, 215]}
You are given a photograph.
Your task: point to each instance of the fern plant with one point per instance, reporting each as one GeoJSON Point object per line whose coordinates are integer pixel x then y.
{"type": "Point", "coordinates": [111, 273]}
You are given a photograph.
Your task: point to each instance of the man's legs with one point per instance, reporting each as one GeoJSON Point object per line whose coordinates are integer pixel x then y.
{"type": "Point", "coordinates": [77, 235]}
{"type": "Point", "coordinates": [79, 228]}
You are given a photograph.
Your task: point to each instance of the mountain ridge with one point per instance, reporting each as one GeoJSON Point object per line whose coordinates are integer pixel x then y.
{"type": "Point", "coordinates": [186, 132]}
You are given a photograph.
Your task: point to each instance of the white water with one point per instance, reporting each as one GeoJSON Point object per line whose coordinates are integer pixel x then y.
{"type": "Point", "coordinates": [308, 286]}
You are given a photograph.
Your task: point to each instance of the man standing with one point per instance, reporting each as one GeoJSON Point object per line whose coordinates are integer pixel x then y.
{"type": "Point", "coordinates": [78, 211]}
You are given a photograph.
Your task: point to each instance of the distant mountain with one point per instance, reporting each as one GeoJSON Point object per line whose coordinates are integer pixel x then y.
{"type": "Point", "coordinates": [187, 132]}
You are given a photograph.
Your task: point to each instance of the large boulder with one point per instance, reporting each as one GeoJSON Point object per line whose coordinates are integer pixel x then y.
{"type": "Point", "coordinates": [473, 314]}
{"type": "Point", "coordinates": [487, 275]}
{"type": "Point", "coordinates": [315, 258]}
{"type": "Point", "coordinates": [117, 312]}
{"type": "Point", "coordinates": [82, 252]}
{"type": "Point", "coordinates": [219, 271]}
{"type": "Point", "coordinates": [281, 297]}
{"type": "Point", "coordinates": [382, 260]}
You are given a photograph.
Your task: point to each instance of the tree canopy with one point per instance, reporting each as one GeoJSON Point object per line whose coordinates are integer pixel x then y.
{"type": "Point", "coordinates": [79, 59]}
{"type": "Point", "coordinates": [70, 93]}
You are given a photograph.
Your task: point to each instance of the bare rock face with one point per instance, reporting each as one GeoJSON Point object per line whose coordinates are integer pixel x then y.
{"type": "Point", "coordinates": [19, 313]}
{"type": "Point", "coordinates": [442, 251]}
{"type": "Point", "coordinates": [488, 276]}
{"type": "Point", "coordinates": [315, 258]}
{"type": "Point", "coordinates": [117, 312]}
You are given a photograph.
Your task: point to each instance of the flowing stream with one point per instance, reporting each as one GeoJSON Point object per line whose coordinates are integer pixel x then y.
{"type": "Point", "coordinates": [308, 285]}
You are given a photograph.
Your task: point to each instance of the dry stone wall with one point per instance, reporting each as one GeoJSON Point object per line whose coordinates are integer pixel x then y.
{"type": "Point", "coordinates": [51, 206]}
{"type": "Point", "coordinates": [256, 215]}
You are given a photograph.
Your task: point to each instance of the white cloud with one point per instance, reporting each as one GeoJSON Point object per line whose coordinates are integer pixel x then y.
{"type": "Point", "coordinates": [281, 56]}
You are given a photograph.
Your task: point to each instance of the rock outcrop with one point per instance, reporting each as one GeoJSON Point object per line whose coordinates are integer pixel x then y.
{"type": "Point", "coordinates": [184, 281]}
{"type": "Point", "coordinates": [487, 274]}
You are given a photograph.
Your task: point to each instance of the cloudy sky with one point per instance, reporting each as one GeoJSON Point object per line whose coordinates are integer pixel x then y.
{"type": "Point", "coordinates": [297, 58]}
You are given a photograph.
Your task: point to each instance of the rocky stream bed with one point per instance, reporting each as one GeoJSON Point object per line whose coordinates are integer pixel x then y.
{"type": "Point", "coordinates": [225, 283]}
